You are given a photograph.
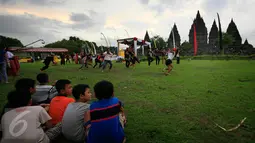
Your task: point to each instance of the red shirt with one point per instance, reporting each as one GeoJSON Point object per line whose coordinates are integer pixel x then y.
{"type": "Point", "coordinates": [57, 108]}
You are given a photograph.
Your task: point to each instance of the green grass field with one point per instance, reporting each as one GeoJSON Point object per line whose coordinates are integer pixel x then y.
{"type": "Point", "coordinates": [179, 108]}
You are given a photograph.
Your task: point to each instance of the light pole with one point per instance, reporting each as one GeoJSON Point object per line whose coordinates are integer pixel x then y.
{"type": "Point", "coordinates": [127, 33]}
{"type": "Point", "coordinates": [43, 42]}
{"type": "Point", "coordinates": [105, 39]}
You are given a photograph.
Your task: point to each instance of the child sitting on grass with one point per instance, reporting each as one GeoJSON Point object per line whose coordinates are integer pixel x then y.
{"type": "Point", "coordinates": [23, 122]}
{"type": "Point", "coordinates": [59, 103]}
{"type": "Point", "coordinates": [44, 92]}
{"type": "Point", "coordinates": [77, 114]}
{"type": "Point", "coordinates": [106, 116]}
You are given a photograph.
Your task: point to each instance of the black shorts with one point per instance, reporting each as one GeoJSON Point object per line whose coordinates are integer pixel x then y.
{"type": "Point", "coordinates": [133, 60]}
{"type": "Point", "coordinates": [168, 62]}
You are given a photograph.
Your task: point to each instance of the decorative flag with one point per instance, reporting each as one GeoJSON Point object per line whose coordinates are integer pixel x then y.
{"type": "Point", "coordinates": [195, 40]}
{"type": "Point", "coordinates": [220, 32]}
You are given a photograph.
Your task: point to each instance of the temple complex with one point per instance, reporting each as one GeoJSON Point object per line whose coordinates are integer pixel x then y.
{"type": "Point", "coordinates": [202, 34]}
{"type": "Point", "coordinates": [177, 38]}
{"type": "Point", "coordinates": [213, 39]}
{"type": "Point", "coordinates": [237, 40]}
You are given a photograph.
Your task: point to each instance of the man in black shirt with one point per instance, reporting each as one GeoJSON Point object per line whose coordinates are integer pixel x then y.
{"type": "Point", "coordinates": [47, 62]}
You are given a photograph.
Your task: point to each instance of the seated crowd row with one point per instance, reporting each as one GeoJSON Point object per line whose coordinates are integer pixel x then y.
{"type": "Point", "coordinates": [44, 113]}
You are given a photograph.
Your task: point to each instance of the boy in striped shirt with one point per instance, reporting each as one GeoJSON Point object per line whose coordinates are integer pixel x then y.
{"type": "Point", "coordinates": [107, 116]}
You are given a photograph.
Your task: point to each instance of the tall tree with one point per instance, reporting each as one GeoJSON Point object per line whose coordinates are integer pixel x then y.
{"type": "Point", "coordinates": [74, 44]}
{"type": "Point", "coordinates": [186, 48]}
{"type": "Point", "coordinates": [227, 40]}
{"type": "Point", "coordinates": [158, 42]}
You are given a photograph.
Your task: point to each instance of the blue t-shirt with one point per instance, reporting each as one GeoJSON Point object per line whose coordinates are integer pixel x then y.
{"type": "Point", "coordinates": [105, 123]}
{"type": "Point", "coordinates": [2, 52]}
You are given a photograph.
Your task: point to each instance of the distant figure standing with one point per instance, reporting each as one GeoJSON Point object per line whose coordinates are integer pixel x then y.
{"type": "Point", "coordinates": [178, 56]}
{"type": "Point", "coordinates": [157, 54]}
{"type": "Point", "coordinates": [62, 56]}
{"type": "Point", "coordinates": [68, 59]}
{"type": "Point", "coordinates": [3, 65]}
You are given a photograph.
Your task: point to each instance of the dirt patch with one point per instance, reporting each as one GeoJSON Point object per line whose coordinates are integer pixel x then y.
{"type": "Point", "coordinates": [244, 80]}
{"type": "Point", "coordinates": [204, 121]}
{"type": "Point", "coordinates": [168, 110]}
{"type": "Point", "coordinates": [212, 92]}
{"type": "Point", "coordinates": [188, 118]}
{"type": "Point", "coordinates": [152, 133]}
{"type": "Point", "coordinates": [141, 103]}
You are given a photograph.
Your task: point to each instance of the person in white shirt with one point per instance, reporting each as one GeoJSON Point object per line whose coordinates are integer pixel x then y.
{"type": "Point", "coordinates": [169, 65]}
{"type": "Point", "coordinates": [107, 59]}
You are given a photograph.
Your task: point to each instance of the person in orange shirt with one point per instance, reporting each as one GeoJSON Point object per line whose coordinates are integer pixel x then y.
{"type": "Point", "coordinates": [59, 103]}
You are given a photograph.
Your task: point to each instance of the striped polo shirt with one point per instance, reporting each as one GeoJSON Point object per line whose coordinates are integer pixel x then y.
{"type": "Point", "coordinates": [105, 123]}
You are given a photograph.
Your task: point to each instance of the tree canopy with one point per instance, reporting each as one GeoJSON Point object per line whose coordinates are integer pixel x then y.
{"type": "Point", "coordinates": [9, 42]}
{"type": "Point", "coordinates": [158, 42]}
{"type": "Point", "coordinates": [74, 44]}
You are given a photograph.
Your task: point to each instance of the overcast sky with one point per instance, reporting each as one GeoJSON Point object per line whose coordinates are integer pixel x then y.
{"type": "Point", "coordinates": [52, 20]}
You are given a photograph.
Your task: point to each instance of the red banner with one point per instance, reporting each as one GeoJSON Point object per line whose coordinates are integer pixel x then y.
{"type": "Point", "coordinates": [195, 40]}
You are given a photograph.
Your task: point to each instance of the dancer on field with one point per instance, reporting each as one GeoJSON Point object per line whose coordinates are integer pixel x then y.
{"type": "Point", "coordinates": [150, 58]}
{"type": "Point", "coordinates": [47, 62]}
{"type": "Point", "coordinates": [107, 59]}
{"type": "Point", "coordinates": [169, 62]}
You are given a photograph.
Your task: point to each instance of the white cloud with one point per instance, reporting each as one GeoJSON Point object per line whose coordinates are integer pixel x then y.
{"type": "Point", "coordinates": [88, 18]}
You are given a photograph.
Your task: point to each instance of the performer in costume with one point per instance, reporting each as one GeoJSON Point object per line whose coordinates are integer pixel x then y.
{"type": "Point", "coordinates": [46, 62]}
{"type": "Point", "coordinates": [157, 54]}
{"type": "Point", "coordinates": [98, 60]}
{"type": "Point", "coordinates": [127, 58]}
{"type": "Point", "coordinates": [133, 58]}
{"type": "Point", "coordinates": [150, 59]}
{"type": "Point", "coordinates": [62, 56]}
{"type": "Point", "coordinates": [107, 59]}
{"type": "Point", "coordinates": [68, 59]}
{"type": "Point", "coordinates": [83, 62]}
{"type": "Point", "coordinates": [169, 62]}
{"type": "Point", "coordinates": [13, 64]}
{"type": "Point", "coordinates": [89, 60]}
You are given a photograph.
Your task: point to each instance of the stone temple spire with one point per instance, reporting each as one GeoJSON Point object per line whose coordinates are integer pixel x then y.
{"type": "Point", "coordinates": [213, 35]}
{"type": "Point", "coordinates": [201, 32]}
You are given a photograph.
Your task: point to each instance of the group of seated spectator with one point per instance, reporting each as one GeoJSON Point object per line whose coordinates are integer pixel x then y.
{"type": "Point", "coordinates": [46, 113]}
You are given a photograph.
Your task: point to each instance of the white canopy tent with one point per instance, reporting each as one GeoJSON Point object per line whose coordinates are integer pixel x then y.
{"type": "Point", "coordinates": [135, 42]}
